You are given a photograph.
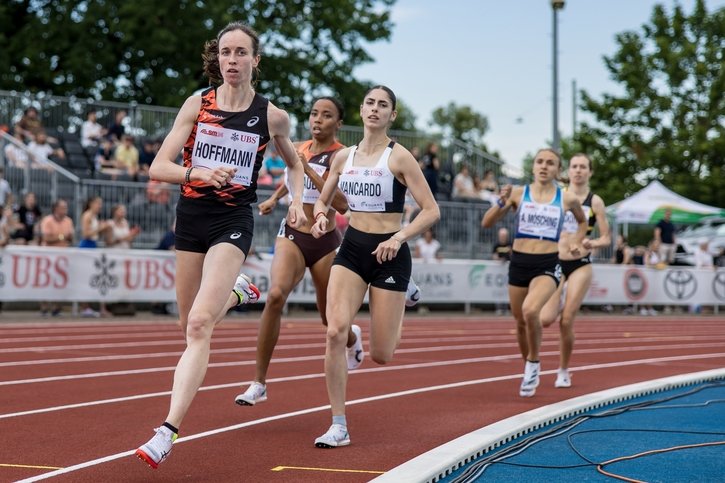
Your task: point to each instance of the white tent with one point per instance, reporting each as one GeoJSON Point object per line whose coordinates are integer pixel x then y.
{"type": "Point", "coordinates": [649, 204]}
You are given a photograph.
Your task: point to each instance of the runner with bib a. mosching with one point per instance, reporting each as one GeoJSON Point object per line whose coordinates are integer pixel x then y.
{"type": "Point", "coordinates": [577, 270]}
{"type": "Point", "coordinates": [534, 271]}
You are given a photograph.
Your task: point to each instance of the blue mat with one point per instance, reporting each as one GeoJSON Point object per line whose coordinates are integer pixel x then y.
{"type": "Point", "coordinates": [670, 436]}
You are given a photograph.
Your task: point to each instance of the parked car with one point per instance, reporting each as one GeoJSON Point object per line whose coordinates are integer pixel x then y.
{"type": "Point", "coordinates": [711, 228]}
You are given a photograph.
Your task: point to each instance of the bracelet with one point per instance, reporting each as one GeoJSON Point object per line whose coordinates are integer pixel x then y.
{"type": "Point", "coordinates": [321, 213]}
{"type": "Point", "coordinates": [187, 178]}
{"type": "Point", "coordinates": [500, 203]}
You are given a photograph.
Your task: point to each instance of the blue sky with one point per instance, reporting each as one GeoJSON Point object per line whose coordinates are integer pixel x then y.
{"type": "Point", "coordinates": [496, 56]}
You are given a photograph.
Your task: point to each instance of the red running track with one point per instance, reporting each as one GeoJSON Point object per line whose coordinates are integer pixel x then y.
{"type": "Point", "coordinates": [82, 396]}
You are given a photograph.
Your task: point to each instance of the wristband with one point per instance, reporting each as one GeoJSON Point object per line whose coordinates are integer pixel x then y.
{"type": "Point", "coordinates": [321, 213]}
{"type": "Point", "coordinates": [500, 203]}
{"type": "Point", "coordinates": [187, 178]}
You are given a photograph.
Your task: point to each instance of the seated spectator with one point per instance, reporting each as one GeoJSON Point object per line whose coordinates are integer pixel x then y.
{"type": "Point", "coordinates": [91, 131]}
{"type": "Point", "coordinates": [105, 158]}
{"type": "Point", "coordinates": [117, 130]}
{"type": "Point", "coordinates": [146, 156]}
{"type": "Point", "coordinates": [41, 151]}
{"type": "Point", "coordinates": [653, 256]}
{"type": "Point", "coordinates": [6, 193]}
{"type": "Point", "coordinates": [487, 187]}
{"type": "Point", "coordinates": [16, 155]}
{"type": "Point", "coordinates": [463, 184]}
{"type": "Point", "coordinates": [127, 156]}
{"type": "Point", "coordinates": [427, 247]}
{"type": "Point", "coordinates": [622, 252]}
{"type": "Point", "coordinates": [29, 125]}
{"type": "Point", "coordinates": [158, 192]}
{"type": "Point", "coordinates": [28, 215]}
{"type": "Point", "coordinates": [120, 234]}
{"type": "Point", "coordinates": [275, 165]}
{"type": "Point", "coordinates": [703, 257]}
{"type": "Point", "coordinates": [6, 217]}
{"type": "Point", "coordinates": [168, 241]}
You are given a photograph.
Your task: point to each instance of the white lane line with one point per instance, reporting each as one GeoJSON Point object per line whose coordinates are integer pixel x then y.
{"type": "Point", "coordinates": [149, 370]}
{"type": "Point", "coordinates": [357, 371]}
{"type": "Point", "coordinates": [380, 397]}
{"type": "Point", "coordinates": [219, 341]}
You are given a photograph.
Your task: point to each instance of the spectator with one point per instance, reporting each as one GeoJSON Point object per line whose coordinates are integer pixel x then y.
{"type": "Point", "coordinates": [56, 230]}
{"type": "Point", "coordinates": [6, 217]}
{"type": "Point", "coordinates": [146, 156]}
{"type": "Point", "coordinates": [427, 247]}
{"type": "Point", "coordinates": [653, 255]}
{"type": "Point", "coordinates": [29, 125]}
{"type": "Point", "coordinates": [16, 154]}
{"type": "Point", "coordinates": [116, 130]}
{"type": "Point", "coordinates": [274, 165]}
{"type": "Point", "coordinates": [105, 160]}
{"type": "Point", "coordinates": [127, 156]}
{"type": "Point", "coordinates": [6, 193]}
{"type": "Point", "coordinates": [168, 241]}
{"type": "Point", "coordinates": [91, 131]}
{"type": "Point", "coordinates": [623, 252]}
{"type": "Point", "coordinates": [120, 233]}
{"type": "Point", "coordinates": [463, 184]}
{"type": "Point", "coordinates": [41, 151]}
{"type": "Point", "coordinates": [703, 257]}
{"type": "Point", "coordinates": [430, 163]}
{"type": "Point", "coordinates": [487, 188]}
{"type": "Point", "coordinates": [91, 227]}
{"type": "Point", "coordinates": [502, 253]}
{"type": "Point", "coordinates": [27, 216]}
{"type": "Point", "coordinates": [665, 234]}
{"type": "Point", "coordinates": [158, 192]}
{"type": "Point", "coordinates": [719, 259]}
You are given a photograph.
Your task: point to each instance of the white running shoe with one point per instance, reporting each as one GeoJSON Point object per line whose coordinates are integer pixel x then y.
{"type": "Point", "coordinates": [531, 379]}
{"type": "Point", "coordinates": [246, 291]}
{"type": "Point", "coordinates": [563, 379]}
{"type": "Point", "coordinates": [158, 447]}
{"type": "Point", "coordinates": [255, 393]}
{"type": "Point", "coordinates": [412, 295]}
{"type": "Point", "coordinates": [355, 354]}
{"type": "Point", "coordinates": [336, 436]}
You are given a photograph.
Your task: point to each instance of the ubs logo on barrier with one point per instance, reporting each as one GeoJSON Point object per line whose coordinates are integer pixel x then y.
{"type": "Point", "coordinates": [104, 280]}
{"type": "Point", "coordinates": [635, 284]}
{"type": "Point", "coordinates": [680, 284]}
{"type": "Point", "coordinates": [718, 285]}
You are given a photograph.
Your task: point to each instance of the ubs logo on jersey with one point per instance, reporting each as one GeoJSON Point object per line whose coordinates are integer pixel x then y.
{"type": "Point", "coordinates": [253, 121]}
{"type": "Point", "coordinates": [373, 172]}
{"type": "Point", "coordinates": [211, 132]}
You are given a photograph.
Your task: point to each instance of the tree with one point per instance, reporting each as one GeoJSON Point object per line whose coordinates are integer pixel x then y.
{"type": "Point", "coordinates": [150, 52]}
{"type": "Point", "coordinates": [462, 123]}
{"type": "Point", "coordinates": [669, 122]}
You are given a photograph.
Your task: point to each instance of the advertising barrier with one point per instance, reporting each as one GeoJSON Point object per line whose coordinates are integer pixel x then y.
{"type": "Point", "coordinates": [29, 273]}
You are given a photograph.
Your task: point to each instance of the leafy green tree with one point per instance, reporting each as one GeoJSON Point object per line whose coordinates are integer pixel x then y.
{"type": "Point", "coordinates": [150, 52]}
{"type": "Point", "coordinates": [668, 123]}
{"type": "Point", "coordinates": [461, 122]}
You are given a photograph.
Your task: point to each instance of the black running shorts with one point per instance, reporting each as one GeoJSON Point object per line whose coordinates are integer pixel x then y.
{"type": "Point", "coordinates": [525, 267]}
{"type": "Point", "coordinates": [201, 224]}
{"type": "Point", "coordinates": [356, 254]}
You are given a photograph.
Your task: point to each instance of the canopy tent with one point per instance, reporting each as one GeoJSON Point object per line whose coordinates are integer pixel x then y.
{"type": "Point", "coordinates": [649, 204]}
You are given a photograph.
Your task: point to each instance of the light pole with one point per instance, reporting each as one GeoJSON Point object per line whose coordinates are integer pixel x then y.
{"type": "Point", "coordinates": [556, 5]}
